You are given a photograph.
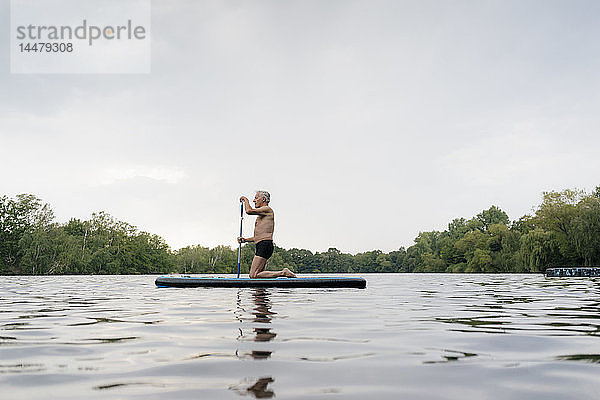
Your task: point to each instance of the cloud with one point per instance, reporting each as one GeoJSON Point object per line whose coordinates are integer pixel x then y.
{"type": "Point", "coordinates": [368, 121]}
{"type": "Point", "coordinates": [169, 174]}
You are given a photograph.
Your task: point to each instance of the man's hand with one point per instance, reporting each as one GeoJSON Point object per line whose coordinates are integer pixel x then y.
{"type": "Point", "coordinates": [241, 240]}
{"type": "Point", "coordinates": [243, 198]}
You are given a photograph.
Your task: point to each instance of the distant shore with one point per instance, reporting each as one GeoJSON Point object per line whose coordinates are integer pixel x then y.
{"type": "Point", "coordinates": [563, 231]}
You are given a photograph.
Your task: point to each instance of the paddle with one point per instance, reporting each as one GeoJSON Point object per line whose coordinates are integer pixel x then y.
{"type": "Point", "coordinates": [240, 246]}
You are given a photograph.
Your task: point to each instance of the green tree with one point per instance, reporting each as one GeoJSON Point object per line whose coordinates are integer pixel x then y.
{"type": "Point", "coordinates": [303, 260]}
{"type": "Point", "coordinates": [492, 216]}
{"type": "Point", "coordinates": [481, 261]}
{"type": "Point", "coordinates": [586, 230]}
{"type": "Point", "coordinates": [557, 214]}
{"type": "Point", "coordinates": [539, 249]}
{"type": "Point", "coordinates": [19, 216]}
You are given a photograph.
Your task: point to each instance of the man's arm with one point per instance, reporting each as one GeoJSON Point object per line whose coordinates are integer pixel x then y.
{"type": "Point", "coordinates": [264, 210]}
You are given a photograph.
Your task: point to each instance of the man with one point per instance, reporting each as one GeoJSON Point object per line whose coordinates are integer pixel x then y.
{"type": "Point", "coordinates": [263, 236]}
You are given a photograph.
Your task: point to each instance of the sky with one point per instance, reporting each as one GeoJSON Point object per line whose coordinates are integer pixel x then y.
{"type": "Point", "coordinates": [367, 121]}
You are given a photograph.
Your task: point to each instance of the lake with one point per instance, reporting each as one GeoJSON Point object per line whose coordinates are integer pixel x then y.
{"type": "Point", "coordinates": [407, 336]}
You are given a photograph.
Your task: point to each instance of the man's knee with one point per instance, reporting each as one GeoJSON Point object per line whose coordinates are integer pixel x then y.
{"type": "Point", "coordinates": [258, 265]}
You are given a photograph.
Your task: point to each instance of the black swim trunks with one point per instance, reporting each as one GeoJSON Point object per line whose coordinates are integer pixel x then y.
{"type": "Point", "coordinates": [264, 248]}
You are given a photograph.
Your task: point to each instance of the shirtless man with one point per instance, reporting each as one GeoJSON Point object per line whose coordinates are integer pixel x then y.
{"type": "Point", "coordinates": [263, 236]}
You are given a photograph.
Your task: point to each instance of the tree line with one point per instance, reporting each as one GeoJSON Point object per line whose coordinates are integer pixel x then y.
{"type": "Point", "coordinates": [564, 230]}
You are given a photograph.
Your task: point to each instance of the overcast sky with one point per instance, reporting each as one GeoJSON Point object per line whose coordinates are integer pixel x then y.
{"type": "Point", "coordinates": [368, 121]}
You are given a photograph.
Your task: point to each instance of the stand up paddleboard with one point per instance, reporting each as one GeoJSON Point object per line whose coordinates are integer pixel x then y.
{"type": "Point", "coordinates": [310, 282]}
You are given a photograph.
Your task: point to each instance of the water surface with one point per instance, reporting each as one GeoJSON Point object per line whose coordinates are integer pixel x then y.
{"type": "Point", "coordinates": [410, 336]}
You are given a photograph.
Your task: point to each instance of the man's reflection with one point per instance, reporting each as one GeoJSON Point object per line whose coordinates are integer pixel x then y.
{"type": "Point", "coordinates": [260, 390]}
{"type": "Point", "coordinates": [261, 314]}
{"type": "Point", "coordinates": [263, 335]}
{"type": "Point", "coordinates": [262, 306]}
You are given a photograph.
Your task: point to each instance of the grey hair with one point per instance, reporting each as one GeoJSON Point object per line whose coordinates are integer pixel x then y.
{"type": "Point", "coordinates": [264, 194]}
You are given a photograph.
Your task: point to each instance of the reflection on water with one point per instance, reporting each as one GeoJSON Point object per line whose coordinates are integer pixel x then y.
{"type": "Point", "coordinates": [405, 336]}
{"type": "Point", "coordinates": [261, 314]}
{"type": "Point", "coordinates": [451, 355]}
{"type": "Point", "coordinates": [264, 334]}
{"type": "Point", "coordinates": [593, 358]}
{"type": "Point", "coordinates": [258, 389]}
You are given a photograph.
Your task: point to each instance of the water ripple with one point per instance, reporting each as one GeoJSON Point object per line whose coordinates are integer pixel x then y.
{"type": "Point", "coordinates": [405, 336]}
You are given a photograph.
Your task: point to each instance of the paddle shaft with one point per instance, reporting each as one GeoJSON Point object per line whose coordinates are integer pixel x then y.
{"type": "Point", "coordinates": [240, 244]}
